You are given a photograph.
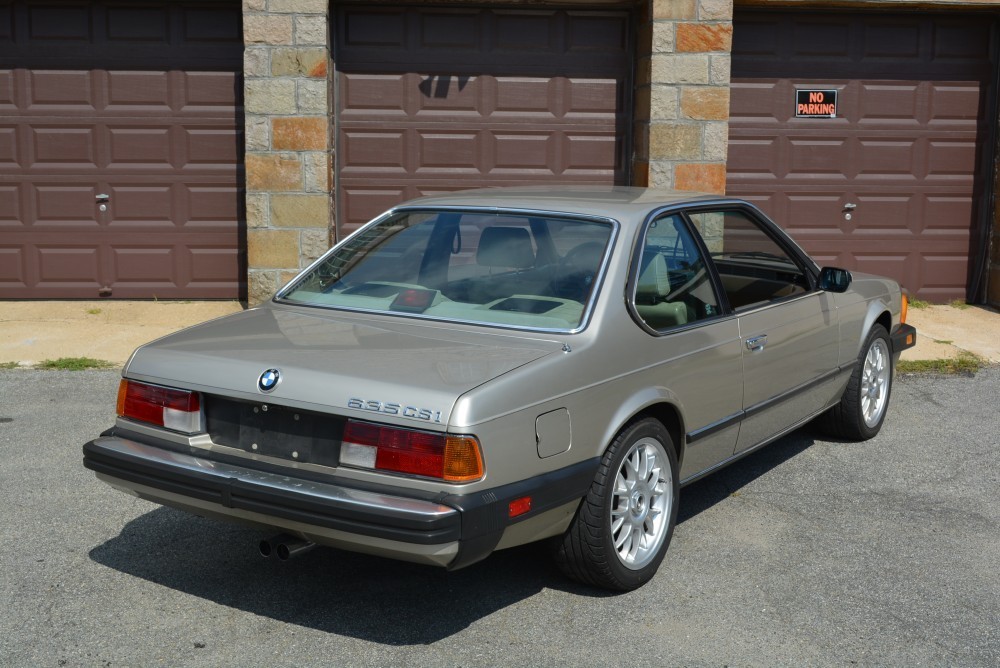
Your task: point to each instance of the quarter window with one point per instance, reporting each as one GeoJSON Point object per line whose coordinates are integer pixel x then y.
{"type": "Point", "coordinates": [672, 285]}
{"type": "Point", "coordinates": [754, 268]}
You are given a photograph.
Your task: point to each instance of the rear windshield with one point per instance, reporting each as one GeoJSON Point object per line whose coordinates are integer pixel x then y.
{"type": "Point", "coordinates": [492, 268]}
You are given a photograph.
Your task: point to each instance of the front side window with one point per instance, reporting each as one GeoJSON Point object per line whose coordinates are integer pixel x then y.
{"type": "Point", "coordinates": [672, 284]}
{"type": "Point", "coordinates": [753, 267]}
{"type": "Point", "coordinates": [503, 269]}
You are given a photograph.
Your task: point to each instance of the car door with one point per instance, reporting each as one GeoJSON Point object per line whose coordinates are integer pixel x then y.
{"type": "Point", "coordinates": [788, 328]}
{"type": "Point", "coordinates": [674, 297]}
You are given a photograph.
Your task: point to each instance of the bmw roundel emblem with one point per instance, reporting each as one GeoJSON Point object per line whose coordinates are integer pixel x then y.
{"type": "Point", "coordinates": [268, 380]}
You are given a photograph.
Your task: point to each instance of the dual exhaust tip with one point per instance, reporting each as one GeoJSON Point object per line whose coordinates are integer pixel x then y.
{"type": "Point", "coordinates": [284, 547]}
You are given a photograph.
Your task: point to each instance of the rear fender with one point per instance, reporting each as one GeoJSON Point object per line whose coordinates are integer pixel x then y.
{"type": "Point", "coordinates": [642, 400]}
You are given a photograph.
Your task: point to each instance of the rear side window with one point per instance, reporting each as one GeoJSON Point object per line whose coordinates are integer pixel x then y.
{"type": "Point", "coordinates": [672, 283]}
{"type": "Point", "coordinates": [504, 269]}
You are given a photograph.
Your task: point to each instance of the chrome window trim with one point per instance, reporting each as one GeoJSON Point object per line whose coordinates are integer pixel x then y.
{"type": "Point", "coordinates": [280, 296]}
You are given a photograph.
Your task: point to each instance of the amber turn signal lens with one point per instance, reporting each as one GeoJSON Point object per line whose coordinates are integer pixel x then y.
{"type": "Point", "coordinates": [904, 307]}
{"type": "Point", "coordinates": [463, 462]}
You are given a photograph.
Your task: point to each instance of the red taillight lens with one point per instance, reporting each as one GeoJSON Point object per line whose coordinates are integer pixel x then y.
{"type": "Point", "coordinates": [179, 410]}
{"type": "Point", "coordinates": [446, 457]}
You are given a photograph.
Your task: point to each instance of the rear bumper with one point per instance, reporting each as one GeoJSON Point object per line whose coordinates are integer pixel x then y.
{"type": "Point", "coordinates": [447, 530]}
{"type": "Point", "coordinates": [904, 337]}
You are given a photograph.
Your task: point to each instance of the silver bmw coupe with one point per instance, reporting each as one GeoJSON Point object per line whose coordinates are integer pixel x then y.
{"type": "Point", "coordinates": [484, 369]}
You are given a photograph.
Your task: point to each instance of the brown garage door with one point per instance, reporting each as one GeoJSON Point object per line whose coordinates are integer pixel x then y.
{"type": "Point", "coordinates": [435, 100]}
{"type": "Point", "coordinates": [137, 101]}
{"type": "Point", "coordinates": [905, 148]}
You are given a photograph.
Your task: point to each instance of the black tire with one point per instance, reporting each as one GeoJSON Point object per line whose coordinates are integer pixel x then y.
{"type": "Point", "coordinates": [862, 409]}
{"type": "Point", "coordinates": [644, 507]}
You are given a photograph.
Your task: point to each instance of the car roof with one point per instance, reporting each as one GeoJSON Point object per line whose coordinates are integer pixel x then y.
{"type": "Point", "coordinates": [617, 202]}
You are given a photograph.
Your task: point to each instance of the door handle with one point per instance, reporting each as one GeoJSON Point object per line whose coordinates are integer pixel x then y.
{"type": "Point", "coordinates": [756, 343]}
{"type": "Point", "coordinates": [850, 206]}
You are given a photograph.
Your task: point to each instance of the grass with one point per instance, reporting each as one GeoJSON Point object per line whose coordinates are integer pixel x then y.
{"type": "Point", "coordinates": [918, 303]}
{"type": "Point", "coordinates": [965, 363]}
{"type": "Point", "coordinates": [75, 364]}
{"type": "Point", "coordinates": [94, 311]}
{"type": "Point", "coordinates": [959, 304]}
{"type": "Point", "coordinates": [9, 365]}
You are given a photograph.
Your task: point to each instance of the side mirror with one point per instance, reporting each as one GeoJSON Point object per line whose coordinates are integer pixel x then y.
{"type": "Point", "coordinates": [834, 279]}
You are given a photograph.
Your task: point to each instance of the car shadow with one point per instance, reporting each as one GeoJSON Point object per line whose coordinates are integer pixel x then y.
{"type": "Point", "coordinates": [370, 598]}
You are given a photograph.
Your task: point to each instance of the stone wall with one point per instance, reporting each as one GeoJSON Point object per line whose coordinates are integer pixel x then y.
{"type": "Point", "coordinates": [682, 94]}
{"type": "Point", "coordinates": [288, 172]}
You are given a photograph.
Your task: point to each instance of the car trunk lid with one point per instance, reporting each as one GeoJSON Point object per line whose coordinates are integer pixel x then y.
{"type": "Point", "coordinates": [379, 368]}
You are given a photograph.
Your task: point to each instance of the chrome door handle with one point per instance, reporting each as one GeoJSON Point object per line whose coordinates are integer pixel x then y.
{"type": "Point", "coordinates": [850, 206]}
{"type": "Point", "coordinates": [756, 344]}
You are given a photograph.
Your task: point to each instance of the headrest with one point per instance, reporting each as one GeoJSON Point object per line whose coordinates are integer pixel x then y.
{"type": "Point", "coordinates": [505, 247]}
{"type": "Point", "coordinates": [654, 279]}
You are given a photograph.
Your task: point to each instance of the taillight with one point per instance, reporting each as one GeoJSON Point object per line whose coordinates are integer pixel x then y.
{"type": "Point", "coordinates": [179, 410]}
{"type": "Point", "coordinates": [422, 453]}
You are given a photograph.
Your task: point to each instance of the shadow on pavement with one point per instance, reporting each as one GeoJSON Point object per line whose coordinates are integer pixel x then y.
{"type": "Point", "coordinates": [374, 599]}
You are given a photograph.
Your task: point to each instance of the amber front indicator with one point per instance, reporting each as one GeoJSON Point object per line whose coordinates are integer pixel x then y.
{"type": "Point", "coordinates": [904, 307]}
{"type": "Point", "coordinates": [178, 410]}
{"type": "Point", "coordinates": [427, 454]}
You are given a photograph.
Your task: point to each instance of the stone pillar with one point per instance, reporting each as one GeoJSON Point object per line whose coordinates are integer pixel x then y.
{"type": "Point", "coordinates": [286, 98]}
{"type": "Point", "coordinates": [684, 85]}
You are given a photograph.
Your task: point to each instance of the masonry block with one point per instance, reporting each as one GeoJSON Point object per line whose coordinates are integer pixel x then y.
{"type": "Point", "coordinates": [270, 96]}
{"type": "Point", "coordinates": [672, 141]}
{"type": "Point", "coordinates": [300, 211]}
{"type": "Point", "coordinates": [705, 103]}
{"type": "Point", "coordinates": [715, 10]}
{"type": "Point", "coordinates": [317, 172]}
{"type": "Point", "coordinates": [270, 172]}
{"type": "Point", "coordinates": [301, 62]}
{"type": "Point", "coordinates": [299, 133]}
{"type": "Point", "coordinates": [675, 9]}
{"type": "Point", "coordinates": [299, 6]}
{"type": "Point", "coordinates": [702, 177]}
{"type": "Point", "coordinates": [670, 68]}
{"type": "Point", "coordinates": [313, 244]}
{"type": "Point", "coordinates": [262, 284]}
{"type": "Point", "coordinates": [272, 249]}
{"type": "Point", "coordinates": [312, 96]}
{"type": "Point", "coordinates": [704, 37]}
{"type": "Point", "coordinates": [310, 30]}
{"type": "Point", "coordinates": [257, 210]}
{"type": "Point", "coordinates": [267, 29]}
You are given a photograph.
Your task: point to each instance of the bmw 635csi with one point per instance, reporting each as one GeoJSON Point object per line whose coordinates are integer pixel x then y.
{"type": "Point", "coordinates": [484, 369]}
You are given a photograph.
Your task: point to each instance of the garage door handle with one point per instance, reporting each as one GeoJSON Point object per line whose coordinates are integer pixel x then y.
{"type": "Point", "coordinates": [850, 206]}
{"type": "Point", "coordinates": [103, 198]}
{"type": "Point", "coordinates": [757, 343]}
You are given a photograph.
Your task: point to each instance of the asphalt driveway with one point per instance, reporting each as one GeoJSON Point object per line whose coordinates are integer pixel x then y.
{"type": "Point", "coordinates": [810, 552]}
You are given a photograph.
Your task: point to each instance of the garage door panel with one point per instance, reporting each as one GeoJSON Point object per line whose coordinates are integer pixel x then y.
{"type": "Point", "coordinates": [102, 102]}
{"type": "Point", "coordinates": [133, 147]}
{"type": "Point", "coordinates": [131, 91]}
{"type": "Point", "coordinates": [455, 153]}
{"type": "Point", "coordinates": [905, 147]}
{"type": "Point", "coordinates": [210, 92]}
{"type": "Point", "coordinates": [58, 264]}
{"type": "Point", "coordinates": [149, 266]}
{"type": "Point", "coordinates": [214, 205]}
{"type": "Point", "coordinates": [435, 100]}
{"type": "Point", "coordinates": [371, 95]}
{"type": "Point", "coordinates": [519, 152]}
{"type": "Point", "coordinates": [594, 155]}
{"type": "Point", "coordinates": [887, 158]}
{"type": "Point", "coordinates": [210, 148]}
{"type": "Point", "coordinates": [143, 206]}
{"type": "Point", "coordinates": [454, 30]}
{"type": "Point", "coordinates": [957, 101]}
